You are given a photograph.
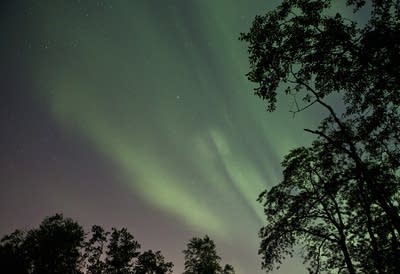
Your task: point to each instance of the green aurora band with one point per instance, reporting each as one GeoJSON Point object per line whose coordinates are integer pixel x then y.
{"type": "Point", "coordinates": [159, 89]}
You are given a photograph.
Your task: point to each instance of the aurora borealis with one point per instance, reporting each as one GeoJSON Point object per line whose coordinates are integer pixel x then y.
{"type": "Point", "coordinates": [138, 114]}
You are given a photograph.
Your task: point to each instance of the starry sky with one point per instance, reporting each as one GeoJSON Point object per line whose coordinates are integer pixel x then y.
{"type": "Point", "coordinates": [138, 114]}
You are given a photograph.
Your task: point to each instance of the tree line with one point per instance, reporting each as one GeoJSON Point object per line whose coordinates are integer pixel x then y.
{"type": "Point", "coordinates": [338, 201]}
{"type": "Point", "coordinates": [61, 246]}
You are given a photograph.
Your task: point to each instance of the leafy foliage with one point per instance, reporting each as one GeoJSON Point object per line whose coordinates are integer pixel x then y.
{"type": "Point", "coordinates": [55, 246]}
{"type": "Point", "coordinates": [150, 262]}
{"type": "Point", "coordinates": [60, 245]}
{"type": "Point", "coordinates": [94, 250]}
{"type": "Point", "coordinates": [13, 255]}
{"type": "Point", "coordinates": [201, 258]}
{"type": "Point", "coordinates": [121, 250]}
{"type": "Point", "coordinates": [228, 269]}
{"type": "Point", "coordinates": [343, 191]}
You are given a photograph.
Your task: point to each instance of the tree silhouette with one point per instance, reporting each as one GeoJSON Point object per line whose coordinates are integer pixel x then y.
{"type": "Point", "coordinates": [201, 258]}
{"type": "Point", "coordinates": [13, 257]}
{"type": "Point", "coordinates": [95, 249]}
{"type": "Point", "coordinates": [150, 262]}
{"type": "Point", "coordinates": [309, 208]}
{"type": "Point", "coordinates": [312, 54]}
{"type": "Point", "coordinates": [59, 245]}
{"type": "Point", "coordinates": [228, 269]}
{"type": "Point", "coordinates": [121, 251]}
{"type": "Point", "coordinates": [54, 247]}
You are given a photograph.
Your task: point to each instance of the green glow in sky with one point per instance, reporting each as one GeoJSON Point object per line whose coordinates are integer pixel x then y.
{"type": "Point", "coordinates": [158, 88]}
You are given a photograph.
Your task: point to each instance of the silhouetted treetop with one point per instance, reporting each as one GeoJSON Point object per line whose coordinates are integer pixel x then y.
{"type": "Point", "coordinates": [60, 245]}
{"type": "Point", "coordinates": [302, 45]}
{"type": "Point", "coordinates": [13, 255]}
{"type": "Point", "coordinates": [55, 246]}
{"type": "Point", "coordinates": [201, 258]}
{"type": "Point", "coordinates": [339, 197]}
{"type": "Point", "coordinates": [122, 249]}
{"type": "Point", "coordinates": [150, 262]}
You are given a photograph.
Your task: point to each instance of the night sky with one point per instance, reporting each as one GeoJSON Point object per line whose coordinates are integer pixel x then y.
{"type": "Point", "coordinates": [138, 114]}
